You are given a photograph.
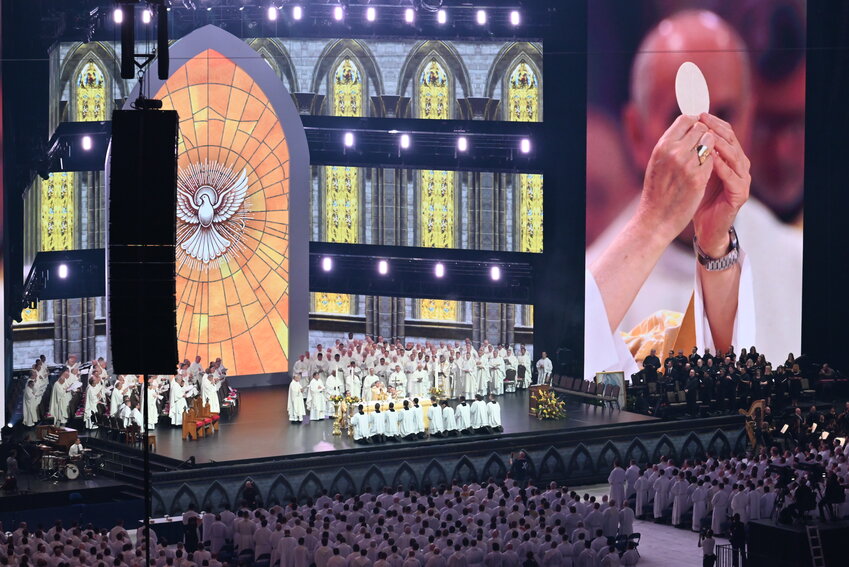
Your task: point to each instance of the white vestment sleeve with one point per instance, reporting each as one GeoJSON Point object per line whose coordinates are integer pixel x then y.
{"type": "Point", "coordinates": [603, 351]}
{"type": "Point", "coordinates": [744, 322]}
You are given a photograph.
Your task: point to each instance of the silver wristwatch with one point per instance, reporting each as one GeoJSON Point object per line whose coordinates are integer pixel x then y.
{"type": "Point", "coordinates": [723, 263]}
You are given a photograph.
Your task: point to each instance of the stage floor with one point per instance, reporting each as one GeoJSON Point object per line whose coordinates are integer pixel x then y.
{"type": "Point", "coordinates": [261, 429]}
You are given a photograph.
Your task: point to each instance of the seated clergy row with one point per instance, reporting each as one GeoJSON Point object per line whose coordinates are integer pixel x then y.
{"type": "Point", "coordinates": [442, 420]}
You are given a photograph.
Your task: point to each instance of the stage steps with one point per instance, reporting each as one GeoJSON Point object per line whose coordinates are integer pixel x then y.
{"type": "Point", "coordinates": [126, 464]}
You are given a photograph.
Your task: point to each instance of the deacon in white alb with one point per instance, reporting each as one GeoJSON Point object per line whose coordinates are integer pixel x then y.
{"type": "Point", "coordinates": [295, 405]}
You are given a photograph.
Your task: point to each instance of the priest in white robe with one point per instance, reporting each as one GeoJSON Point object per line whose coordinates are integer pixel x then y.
{"type": "Point", "coordinates": [523, 368]}
{"type": "Point", "coordinates": [354, 380]}
{"type": "Point", "coordinates": [116, 398]}
{"type": "Point", "coordinates": [360, 425]}
{"type": "Point", "coordinates": [295, 406]}
{"type": "Point", "coordinates": [209, 387]}
{"type": "Point", "coordinates": [30, 404]}
{"type": "Point", "coordinates": [435, 423]}
{"type": "Point", "coordinates": [60, 397]}
{"type": "Point", "coordinates": [493, 414]}
{"type": "Point", "coordinates": [463, 415]}
{"type": "Point", "coordinates": [392, 418]}
{"type": "Point", "coordinates": [478, 413]}
{"type": "Point", "coordinates": [151, 397]}
{"type": "Point", "coordinates": [316, 402]}
{"type": "Point", "coordinates": [407, 425]}
{"type": "Point", "coordinates": [449, 422]}
{"type": "Point", "coordinates": [368, 382]}
{"type": "Point", "coordinates": [418, 382]}
{"type": "Point", "coordinates": [497, 372]}
{"type": "Point", "coordinates": [332, 387]}
{"type": "Point", "coordinates": [93, 397]}
{"type": "Point", "coordinates": [544, 368]}
{"type": "Point", "coordinates": [177, 401]}
{"type": "Point", "coordinates": [377, 425]}
{"type": "Point", "coordinates": [398, 381]}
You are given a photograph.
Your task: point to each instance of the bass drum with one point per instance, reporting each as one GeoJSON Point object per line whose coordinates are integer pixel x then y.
{"type": "Point", "coordinates": [72, 471]}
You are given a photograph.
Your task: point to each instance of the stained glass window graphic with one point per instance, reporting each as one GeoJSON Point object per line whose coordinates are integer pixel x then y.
{"type": "Point", "coordinates": [90, 94]}
{"type": "Point", "coordinates": [342, 184]}
{"type": "Point", "coordinates": [232, 217]}
{"type": "Point", "coordinates": [436, 188]}
{"type": "Point", "coordinates": [523, 94]}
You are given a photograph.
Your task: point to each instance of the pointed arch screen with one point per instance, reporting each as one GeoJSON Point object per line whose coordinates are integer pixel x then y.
{"type": "Point", "coordinates": [90, 96]}
{"type": "Point", "coordinates": [437, 212]}
{"type": "Point", "coordinates": [342, 184]}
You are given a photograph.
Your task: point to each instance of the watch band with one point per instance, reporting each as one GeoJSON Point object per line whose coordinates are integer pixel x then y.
{"type": "Point", "coordinates": [724, 262]}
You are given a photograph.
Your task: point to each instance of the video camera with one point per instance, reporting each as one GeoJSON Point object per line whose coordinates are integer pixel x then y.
{"type": "Point", "coordinates": [785, 475]}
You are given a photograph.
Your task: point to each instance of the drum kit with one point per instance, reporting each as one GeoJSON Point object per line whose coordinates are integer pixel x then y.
{"type": "Point", "coordinates": [56, 465]}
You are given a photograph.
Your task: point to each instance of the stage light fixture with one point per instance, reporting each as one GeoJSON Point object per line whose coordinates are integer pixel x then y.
{"type": "Point", "coordinates": [297, 12]}
{"type": "Point", "coordinates": [439, 270]}
{"type": "Point", "coordinates": [338, 13]}
{"type": "Point", "coordinates": [495, 273]}
{"type": "Point", "coordinates": [525, 146]}
{"type": "Point", "coordinates": [462, 144]}
{"type": "Point", "coordinates": [349, 139]}
{"type": "Point", "coordinates": [87, 143]}
{"type": "Point", "coordinates": [63, 271]}
{"type": "Point", "coordinates": [405, 141]}
{"type": "Point", "coordinates": [371, 14]}
{"type": "Point", "coordinates": [383, 267]}
{"type": "Point", "coordinates": [118, 15]}
{"type": "Point", "coordinates": [147, 15]}
{"type": "Point", "coordinates": [272, 14]}
{"type": "Point", "coordinates": [481, 17]}
{"type": "Point", "coordinates": [441, 16]}
{"type": "Point", "coordinates": [515, 18]}
{"type": "Point", "coordinates": [409, 15]}
{"type": "Point", "coordinates": [209, 8]}
{"type": "Point", "coordinates": [327, 263]}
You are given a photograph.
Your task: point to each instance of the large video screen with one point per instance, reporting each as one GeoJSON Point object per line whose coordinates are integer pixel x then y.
{"type": "Point", "coordinates": [693, 231]}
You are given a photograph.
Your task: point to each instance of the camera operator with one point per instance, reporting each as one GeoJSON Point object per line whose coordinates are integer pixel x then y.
{"type": "Point", "coordinates": [832, 495]}
{"type": "Point", "coordinates": [804, 500]}
{"type": "Point", "coordinates": [737, 537]}
{"type": "Point", "coordinates": [708, 545]}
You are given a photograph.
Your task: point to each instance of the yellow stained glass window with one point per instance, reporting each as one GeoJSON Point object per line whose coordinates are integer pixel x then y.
{"type": "Point", "coordinates": [90, 94]}
{"type": "Point", "coordinates": [57, 212]}
{"type": "Point", "coordinates": [530, 207]}
{"type": "Point", "coordinates": [436, 188]}
{"type": "Point", "coordinates": [342, 184]}
{"type": "Point", "coordinates": [523, 94]}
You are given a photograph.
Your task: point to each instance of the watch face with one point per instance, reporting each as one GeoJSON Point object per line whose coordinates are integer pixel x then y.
{"type": "Point", "coordinates": [232, 217]}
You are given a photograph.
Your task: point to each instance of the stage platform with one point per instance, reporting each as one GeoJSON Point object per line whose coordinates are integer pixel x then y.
{"type": "Point", "coordinates": [771, 544]}
{"type": "Point", "coordinates": [261, 429]}
{"type": "Point", "coordinates": [33, 492]}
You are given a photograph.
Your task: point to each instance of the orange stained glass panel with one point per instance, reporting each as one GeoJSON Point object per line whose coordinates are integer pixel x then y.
{"type": "Point", "coordinates": [234, 305]}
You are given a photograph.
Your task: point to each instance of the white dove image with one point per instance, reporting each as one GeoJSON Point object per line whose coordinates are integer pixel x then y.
{"type": "Point", "coordinates": [208, 197]}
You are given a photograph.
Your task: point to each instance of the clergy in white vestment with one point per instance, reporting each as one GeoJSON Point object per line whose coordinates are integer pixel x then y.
{"type": "Point", "coordinates": [125, 412]}
{"type": "Point", "coordinates": [354, 380]}
{"type": "Point", "coordinates": [720, 511]}
{"type": "Point", "coordinates": [209, 387]}
{"type": "Point", "coordinates": [449, 423]}
{"type": "Point", "coordinates": [377, 425]}
{"type": "Point", "coordinates": [360, 425]}
{"type": "Point", "coordinates": [418, 415]}
{"type": "Point", "coordinates": [463, 415]}
{"type": "Point", "coordinates": [60, 397]}
{"type": "Point", "coordinates": [493, 414]}
{"type": "Point", "coordinates": [478, 413]}
{"type": "Point", "coordinates": [679, 494]}
{"type": "Point", "coordinates": [136, 417]}
{"type": "Point", "coordinates": [392, 417]}
{"type": "Point", "coordinates": [301, 368]}
{"type": "Point", "coordinates": [150, 405]}
{"type": "Point", "coordinates": [497, 372]}
{"type": "Point", "coordinates": [661, 490]}
{"type": "Point", "coordinates": [469, 377]}
{"type": "Point", "coordinates": [116, 397]}
{"type": "Point", "coordinates": [616, 479]}
{"type": "Point", "coordinates": [177, 401]}
{"type": "Point", "coordinates": [316, 402]}
{"type": "Point", "coordinates": [295, 405]}
{"type": "Point", "coordinates": [544, 369]}
{"type": "Point", "coordinates": [435, 423]}
{"type": "Point", "coordinates": [332, 387]}
{"type": "Point", "coordinates": [626, 519]}
{"type": "Point", "coordinates": [398, 380]}
{"type": "Point", "coordinates": [418, 382]}
{"type": "Point", "coordinates": [30, 404]}
{"type": "Point", "coordinates": [93, 396]}
{"type": "Point", "coordinates": [369, 381]}
{"type": "Point", "coordinates": [699, 498]}
{"type": "Point", "coordinates": [407, 423]}
{"type": "Point", "coordinates": [482, 375]}
{"type": "Point", "coordinates": [523, 368]}
{"type": "Point", "coordinates": [195, 369]}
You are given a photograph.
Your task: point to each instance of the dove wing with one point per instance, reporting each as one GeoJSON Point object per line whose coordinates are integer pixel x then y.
{"type": "Point", "coordinates": [187, 211]}
{"type": "Point", "coordinates": [231, 199]}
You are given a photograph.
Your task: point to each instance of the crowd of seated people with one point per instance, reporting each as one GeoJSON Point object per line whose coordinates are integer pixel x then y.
{"type": "Point", "coordinates": [771, 484]}
{"type": "Point", "coordinates": [723, 382]}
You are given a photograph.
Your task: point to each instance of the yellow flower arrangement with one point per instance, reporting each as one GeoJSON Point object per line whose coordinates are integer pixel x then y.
{"type": "Point", "coordinates": [548, 406]}
{"type": "Point", "coordinates": [436, 393]}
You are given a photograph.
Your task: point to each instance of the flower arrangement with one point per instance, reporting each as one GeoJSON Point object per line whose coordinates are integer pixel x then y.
{"type": "Point", "coordinates": [337, 398]}
{"type": "Point", "coordinates": [548, 405]}
{"type": "Point", "coordinates": [437, 392]}
{"type": "Point", "coordinates": [352, 400]}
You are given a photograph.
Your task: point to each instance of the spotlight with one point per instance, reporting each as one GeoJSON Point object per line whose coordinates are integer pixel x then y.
{"type": "Point", "coordinates": [349, 139]}
{"type": "Point", "coordinates": [525, 146]}
{"type": "Point", "coordinates": [147, 15]}
{"type": "Point", "coordinates": [383, 267]}
{"type": "Point", "coordinates": [495, 273]}
{"type": "Point", "coordinates": [118, 15]}
{"type": "Point", "coordinates": [63, 271]}
{"type": "Point", "coordinates": [481, 17]}
{"type": "Point", "coordinates": [405, 141]}
{"type": "Point", "coordinates": [439, 270]}
{"type": "Point", "coordinates": [10, 425]}
{"type": "Point", "coordinates": [338, 13]}
{"type": "Point", "coordinates": [409, 15]}
{"type": "Point", "coordinates": [441, 16]}
{"type": "Point", "coordinates": [462, 144]}
{"type": "Point", "coordinates": [371, 13]}
{"type": "Point", "coordinates": [327, 263]}
{"type": "Point", "coordinates": [272, 14]}
{"type": "Point", "coordinates": [297, 12]}
{"type": "Point", "coordinates": [515, 19]}
{"type": "Point", "coordinates": [209, 9]}
{"type": "Point", "coordinates": [86, 143]}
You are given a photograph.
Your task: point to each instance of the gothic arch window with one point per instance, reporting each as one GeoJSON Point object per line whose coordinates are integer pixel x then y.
{"type": "Point", "coordinates": [342, 184]}
{"type": "Point", "coordinates": [90, 93]}
{"type": "Point", "coordinates": [437, 189]}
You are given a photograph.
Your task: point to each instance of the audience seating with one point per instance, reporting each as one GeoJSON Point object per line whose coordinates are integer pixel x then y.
{"type": "Point", "coordinates": [586, 390]}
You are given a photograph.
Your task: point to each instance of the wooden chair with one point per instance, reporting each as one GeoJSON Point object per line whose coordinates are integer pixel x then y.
{"type": "Point", "coordinates": [193, 428]}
